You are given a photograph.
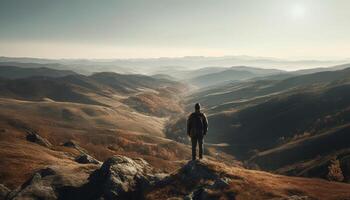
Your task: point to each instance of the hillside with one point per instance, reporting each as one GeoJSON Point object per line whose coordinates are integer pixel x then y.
{"type": "Point", "coordinates": [66, 129]}
{"type": "Point", "coordinates": [236, 73]}
{"type": "Point", "coordinates": [54, 120]}
{"type": "Point", "coordinates": [293, 126]}
{"type": "Point", "coordinates": [221, 77]}
{"type": "Point", "coordinates": [212, 180]}
{"type": "Point", "coordinates": [120, 177]}
{"type": "Point", "coordinates": [10, 72]}
{"type": "Point", "coordinates": [259, 89]}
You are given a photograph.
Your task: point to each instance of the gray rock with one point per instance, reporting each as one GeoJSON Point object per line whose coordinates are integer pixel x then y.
{"type": "Point", "coordinates": [86, 159]}
{"type": "Point", "coordinates": [221, 183]}
{"type": "Point", "coordinates": [121, 177]}
{"type": "Point", "coordinates": [37, 187]}
{"type": "Point", "coordinates": [160, 176]}
{"type": "Point", "coordinates": [199, 194]}
{"type": "Point", "coordinates": [70, 144]}
{"type": "Point", "coordinates": [4, 191]}
{"type": "Point", "coordinates": [197, 170]}
{"type": "Point", "coordinates": [204, 181]}
{"type": "Point", "coordinates": [33, 137]}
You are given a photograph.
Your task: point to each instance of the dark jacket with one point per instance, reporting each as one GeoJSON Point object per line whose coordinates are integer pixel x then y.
{"type": "Point", "coordinates": [197, 124]}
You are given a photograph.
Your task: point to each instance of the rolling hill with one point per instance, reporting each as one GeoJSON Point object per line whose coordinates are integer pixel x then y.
{"type": "Point", "coordinates": [53, 120]}
{"type": "Point", "coordinates": [61, 136]}
{"type": "Point", "coordinates": [209, 78]}
{"type": "Point", "coordinates": [283, 126]}
{"type": "Point", "coordinates": [10, 72]}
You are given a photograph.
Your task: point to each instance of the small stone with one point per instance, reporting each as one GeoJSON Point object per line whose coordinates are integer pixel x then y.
{"type": "Point", "coordinates": [70, 144]}
{"type": "Point", "coordinates": [86, 159]}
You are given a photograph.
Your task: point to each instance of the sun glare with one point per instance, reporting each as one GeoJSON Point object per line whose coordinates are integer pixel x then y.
{"type": "Point", "coordinates": [298, 11]}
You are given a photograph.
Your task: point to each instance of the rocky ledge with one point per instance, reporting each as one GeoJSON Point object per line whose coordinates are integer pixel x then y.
{"type": "Point", "coordinates": [119, 177]}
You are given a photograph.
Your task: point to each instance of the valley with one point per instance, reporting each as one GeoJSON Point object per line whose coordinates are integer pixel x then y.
{"type": "Point", "coordinates": [286, 123]}
{"type": "Point", "coordinates": [292, 126]}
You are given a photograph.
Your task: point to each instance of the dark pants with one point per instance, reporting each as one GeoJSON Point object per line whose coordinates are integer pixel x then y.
{"type": "Point", "coordinates": [194, 141]}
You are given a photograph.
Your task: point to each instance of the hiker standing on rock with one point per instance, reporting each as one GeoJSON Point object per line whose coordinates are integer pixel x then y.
{"type": "Point", "coordinates": [197, 127]}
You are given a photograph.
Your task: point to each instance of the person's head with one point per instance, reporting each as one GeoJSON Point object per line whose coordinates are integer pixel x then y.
{"type": "Point", "coordinates": [197, 107]}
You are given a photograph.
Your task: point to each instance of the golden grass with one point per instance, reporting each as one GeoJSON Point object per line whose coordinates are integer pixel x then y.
{"type": "Point", "coordinates": [251, 185]}
{"type": "Point", "coordinates": [102, 131]}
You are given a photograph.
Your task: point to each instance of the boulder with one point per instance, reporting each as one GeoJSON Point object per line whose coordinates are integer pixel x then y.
{"type": "Point", "coordinates": [39, 186]}
{"type": "Point", "coordinates": [86, 159]}
{"type": "Point", "coordinates": [195, 170]}
{"type": "Point", "coordinates": [72, 144]}
{"type": "Point", "coordinates": [196, 180]}
{"type": "Point", "coordinates": [33, 137]}
{"type": "Point", "coordinates": [121, 177]}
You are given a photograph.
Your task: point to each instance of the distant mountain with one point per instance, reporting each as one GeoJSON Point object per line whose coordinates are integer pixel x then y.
{"type": "Point", "coordinates": [322, 69]}
{"type": "Point", "coordinates": [163, 76]}
{"type": "Point", "coordinates": [221, 77]}
{"type": "Point", "coordinates": [236, 73]}
{"type": "Point", "coordinates": [10, 72]}
{"type": "Point", "coordinates": [183, 73]}
{"type": "Point", "coordinates": [191, 62]}
{"type": "Point", "coordinates": [258, 71]}
{"type": "Point", "coordinates": [130, 82]}
{"type": "Point", "coordinates": [86, 68]}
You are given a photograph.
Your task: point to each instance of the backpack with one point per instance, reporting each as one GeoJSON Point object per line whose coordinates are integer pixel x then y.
{"type": "Point", "coordinates": [197, 125]}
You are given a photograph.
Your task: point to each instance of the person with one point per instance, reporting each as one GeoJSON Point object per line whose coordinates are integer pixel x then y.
{"type": "Point", "coordinates": [197, 128]}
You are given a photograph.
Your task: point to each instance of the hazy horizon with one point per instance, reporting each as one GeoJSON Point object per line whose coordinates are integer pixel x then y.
{"type": "Point", "coordinates": [152, 65]}
{"type": "Point", "coordinates": [285, 29]}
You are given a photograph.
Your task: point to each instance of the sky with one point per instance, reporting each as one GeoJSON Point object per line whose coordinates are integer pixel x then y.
{"type": "Point", "coordinates": [290, 29]}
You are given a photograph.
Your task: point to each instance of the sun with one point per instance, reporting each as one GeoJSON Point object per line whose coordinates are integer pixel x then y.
{"type": "Point", "coordinates": [298, 11]}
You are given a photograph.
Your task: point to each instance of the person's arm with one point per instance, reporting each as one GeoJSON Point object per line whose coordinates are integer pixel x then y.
{"type": "Point", "coordinates": [205, 123]}
{"type": "Point", "coordinates": [188, 126]}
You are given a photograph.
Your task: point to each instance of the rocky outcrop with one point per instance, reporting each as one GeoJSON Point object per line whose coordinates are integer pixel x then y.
{"type": "Point", "coordinates": [39, 186]}
{"type": "Point", "coordinates": [119, 177]}
{"type": "Point", "coordinates": [34, 137]}
{"type": "Point", "coordinates": [123, 178]}
{"type": "Point", "coordinates": [86, 159]}
{"type": "Point", "coordinates": [4, 191]}
{"type": "Point", "coordinates": [205, 180]}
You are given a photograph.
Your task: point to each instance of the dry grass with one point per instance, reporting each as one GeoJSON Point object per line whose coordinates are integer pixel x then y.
{"type": "Point", "coordinates": [102, 131]}
{"type": "Point", "coordinates": [250, 185]}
